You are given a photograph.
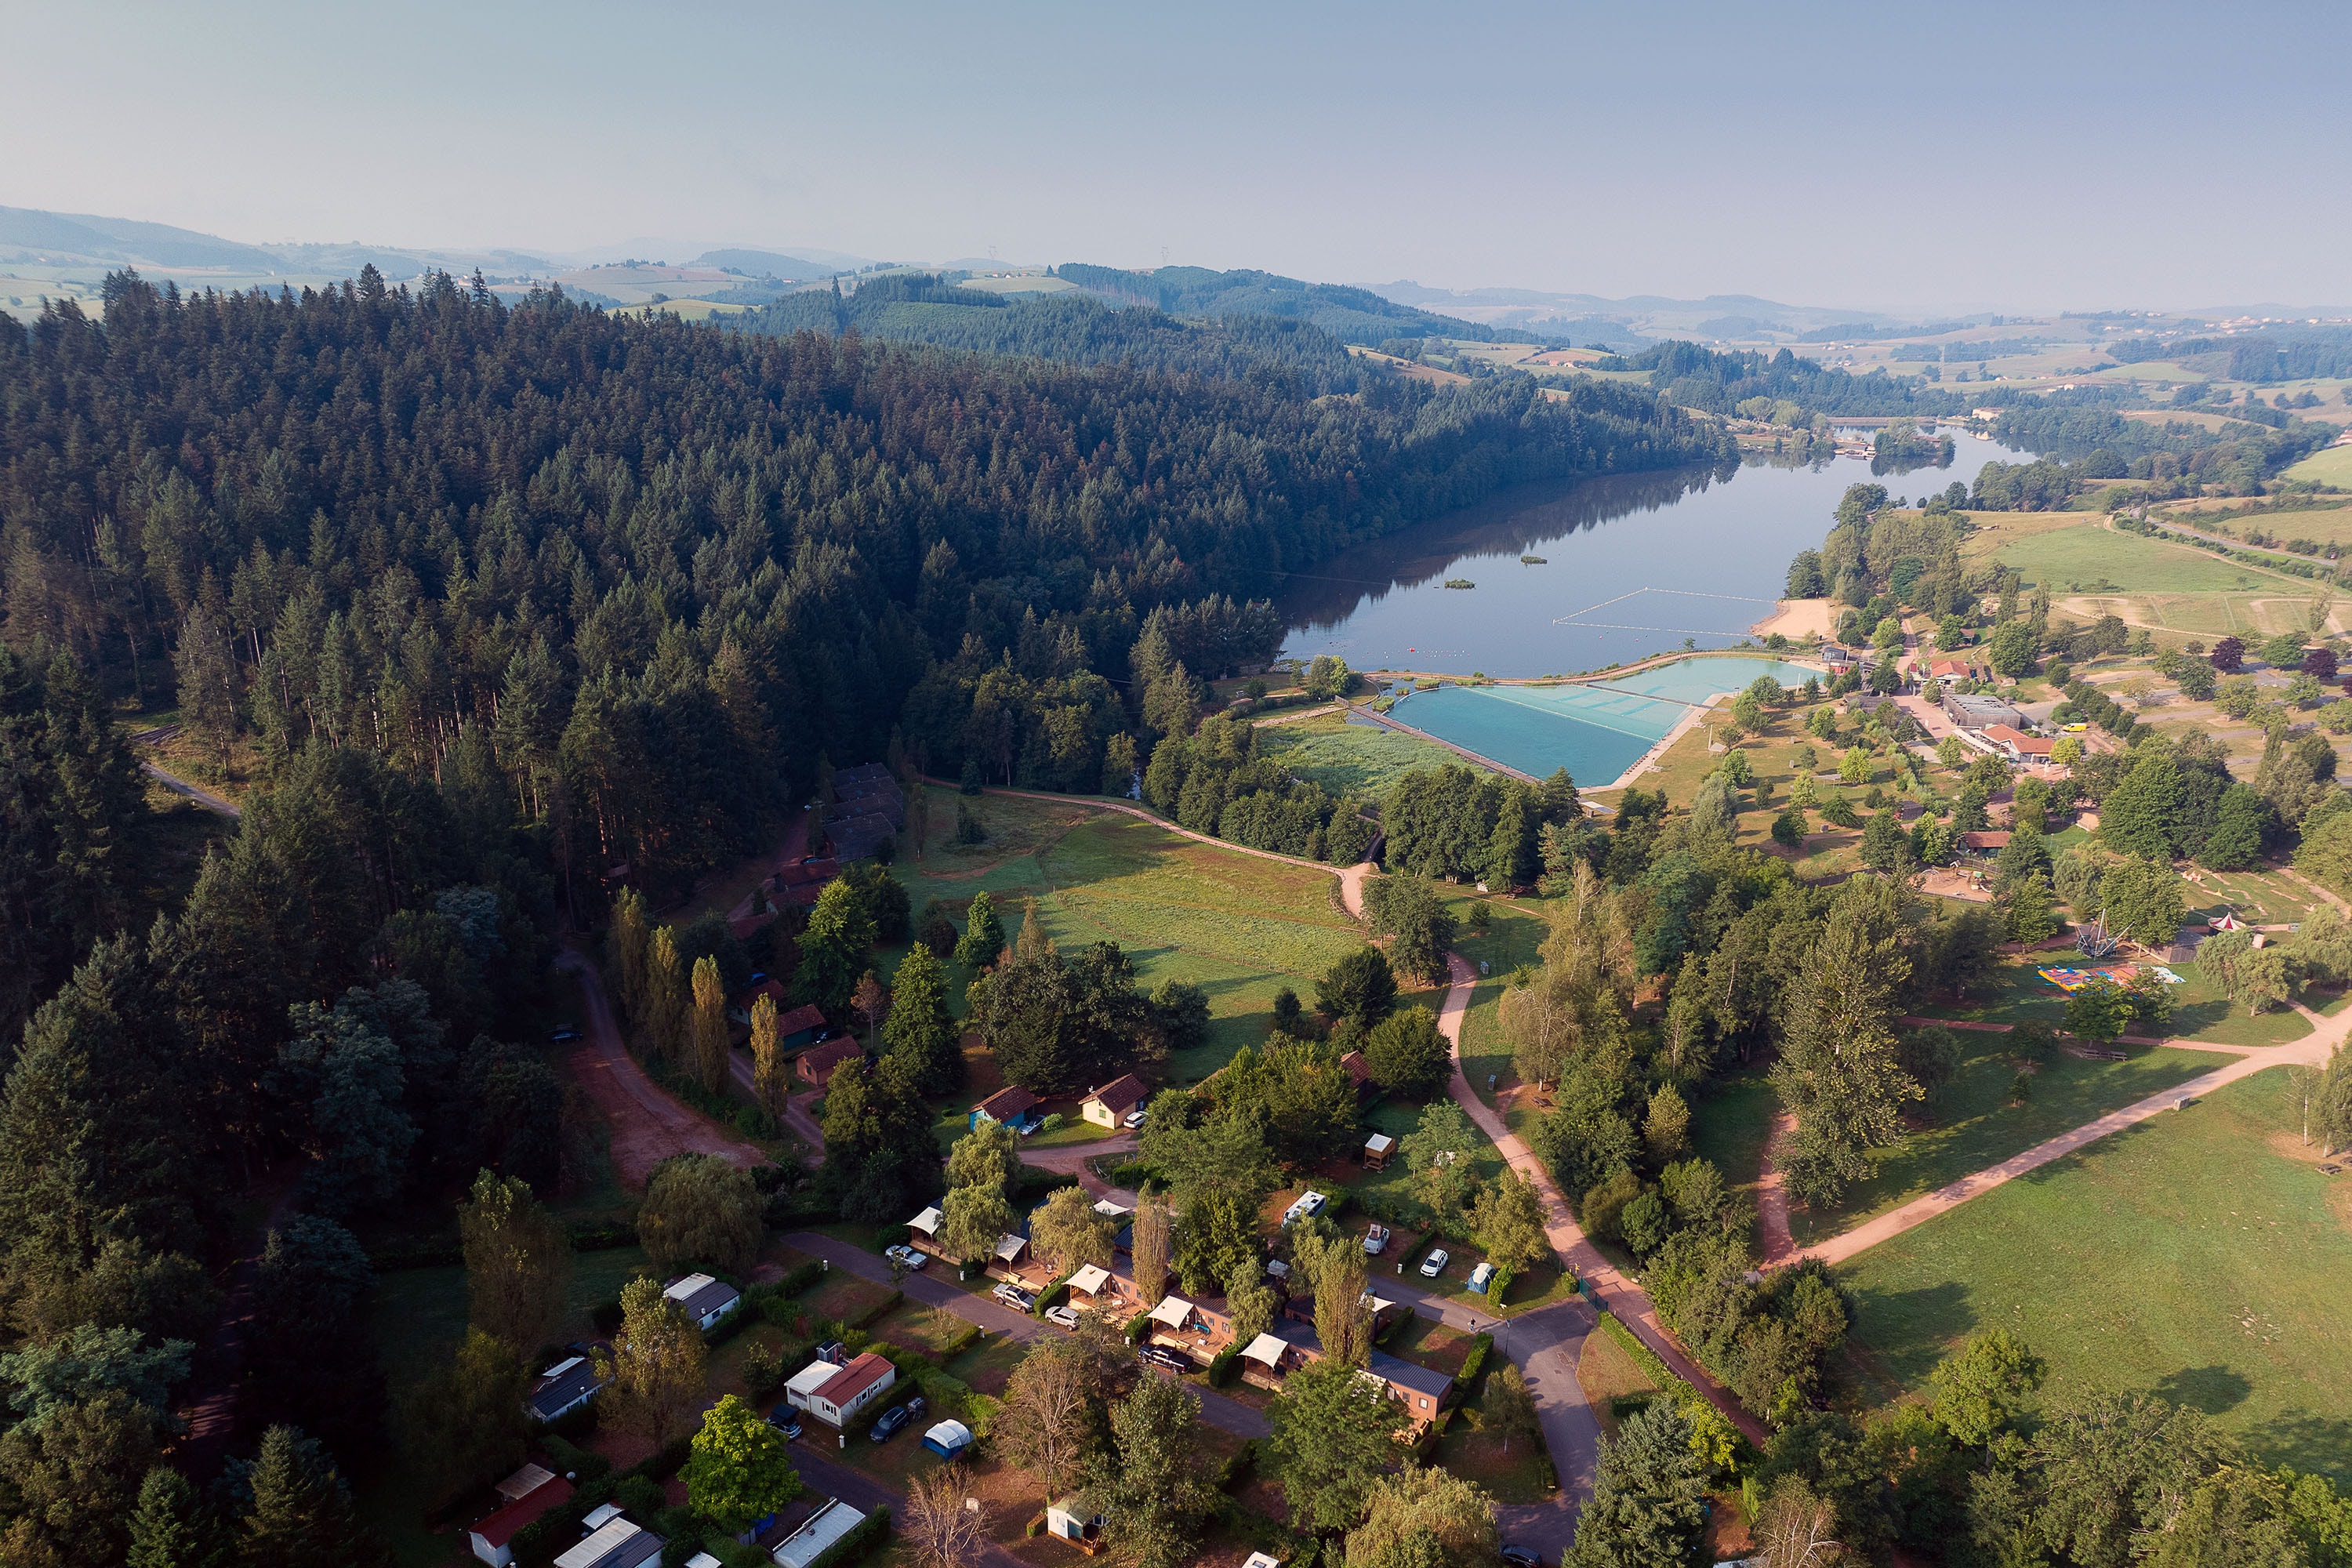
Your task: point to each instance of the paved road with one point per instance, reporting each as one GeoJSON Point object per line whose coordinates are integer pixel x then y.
{"type": "Point", "coordinates": [1216, 1409]}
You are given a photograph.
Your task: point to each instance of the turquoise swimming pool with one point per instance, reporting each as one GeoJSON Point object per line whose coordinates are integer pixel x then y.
{"type": "Point", "coordinates": [1595, 731]}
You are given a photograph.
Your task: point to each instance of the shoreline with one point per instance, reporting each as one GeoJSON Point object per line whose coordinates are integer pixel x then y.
{"type": "Point", "coordinates": [1650, 759]}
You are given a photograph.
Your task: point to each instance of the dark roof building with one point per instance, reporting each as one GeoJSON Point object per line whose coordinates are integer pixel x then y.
{"type": "Point", "coordinates": [1011, 1105]}
{"type": "Point", "coordinates": [562, 1389]}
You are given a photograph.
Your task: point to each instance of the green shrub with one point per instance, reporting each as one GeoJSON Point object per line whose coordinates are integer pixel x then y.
{"type": "Point", "coordinates": [1235, 1471]}
{"type": "Point", "coordinates": [1137, 1325]}
{"type": "Point", "coordinates": [1472, 1365]}
{"type": "Point", "coordinates": [639, 1494]}
{"type": "Point", "coordinates": [1221, 1366]}
{"type": "Point", "coordinates": [1049, 1295]}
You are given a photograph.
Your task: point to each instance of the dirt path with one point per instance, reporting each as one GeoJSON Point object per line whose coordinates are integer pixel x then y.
{"type": "Point", "coordinates": [212, 1416]}
{"type": "Point", "coordinates": [2312, 1051]}
{"type": "Point", "coordinates": [795, 846]}
{"type": "Point", "coordinates": [1772, 1197]}
{"type": "Point", "coordinates": [196, 792]}
{"type": "Point", "coordinates": [647, 1125]}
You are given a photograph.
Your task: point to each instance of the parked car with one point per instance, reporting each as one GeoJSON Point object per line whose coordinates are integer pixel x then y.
{"type": "Point", "coordinates": [786, 1420]}
{"type": "Point", "coordinates": [564, 1038]}
{"type": "Point", "coordinates": [1374, 1239]}
{"type": "Point", "coordinates": [1065, 1316]}
{"type": "Point", "coordinates": [906, 1257]}
{"type": "Point", "coordinates": [1134, 1118]}
{"type": "Point", "coordinates": [1522, 1557]}
{"type": "Point", "coordinates": [915, 1407]}
{"type": "Point", "coordinates": [1434, 1264]}
{"type": "Point", "coordinates": [887, 1426]}
{"type": "Point", "coordinates": [1160, 1355]}
{"type": "Point", "coordinates": [1015, 1297]}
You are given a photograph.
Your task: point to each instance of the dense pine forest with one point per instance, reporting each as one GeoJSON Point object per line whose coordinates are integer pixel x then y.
{"type": "Point", "coordinates": [483, 602]}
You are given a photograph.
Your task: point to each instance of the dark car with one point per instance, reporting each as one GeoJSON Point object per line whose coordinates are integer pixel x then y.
{"type": "Point", "coordinates": [784, 1421]}
{"type": "Point", "coordinates": [1522, 1557]}
{"type": "Point", "coordinates": [564, 1038]}
{"type": "Point", "coordinates": [888, 1427]}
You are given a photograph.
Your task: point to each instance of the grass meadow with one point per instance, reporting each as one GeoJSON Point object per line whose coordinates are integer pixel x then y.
{"type": "Point", "coordinates": [2331, 466]}
{"type": "Point", "coordinates": [2201, 1256]}
{"type": "Point", "coordinates": [2088, 556]}
{"type": "Point", "coordinates": [1343, 757]}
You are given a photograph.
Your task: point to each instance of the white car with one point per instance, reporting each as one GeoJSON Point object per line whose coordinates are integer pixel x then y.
{"type": "Point", "coordinates": [1134, 1118]}
{"type": "Point", "coordinates": [1374, 1239]}
{"type": "Point", "coordinates": [1065, 1316]}
{"type": "Point", "coordinates": [1434, 1264]}
{"type": "Point", "coordinates": [906, 1256]}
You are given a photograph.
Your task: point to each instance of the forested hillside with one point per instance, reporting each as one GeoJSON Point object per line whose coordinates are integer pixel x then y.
{"type": "Point", "coordinates": [1698, 377]}
{"type": "Point", "coordinates": [1351, 315]}
{"type": "Point", "coordinates": [1074, 328]}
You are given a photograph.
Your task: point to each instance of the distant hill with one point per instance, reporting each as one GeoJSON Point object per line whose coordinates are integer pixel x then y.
{"type": "Point", "coordinates": [1350, 314]}
{"type": "Point", "coordinates": [1635, 322]}
{"type": "Point", "coordinates": [1071, 326]}
{"type": "Point", "coordinates": [765, 264]}
{"type": "Point", "coordinates": [31, 234]}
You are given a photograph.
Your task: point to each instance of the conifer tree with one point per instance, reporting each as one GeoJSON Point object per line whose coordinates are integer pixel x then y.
{"type": "Point", "coordinates": [984, 933]}
{"type": "Point", "coordinates": [171, 1529]}
{"type": "Point", "coordinates": [921, 1028]}
{"type": "Point", "coordinates": [301, 1513]}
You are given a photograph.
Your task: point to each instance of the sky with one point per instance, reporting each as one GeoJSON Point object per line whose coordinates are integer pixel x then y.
{"type": "Point", "coordinates": [1905, 158]}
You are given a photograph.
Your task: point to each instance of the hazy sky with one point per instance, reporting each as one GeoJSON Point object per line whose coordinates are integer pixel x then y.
{"type": "Point", "coordinates": [1889, 156]}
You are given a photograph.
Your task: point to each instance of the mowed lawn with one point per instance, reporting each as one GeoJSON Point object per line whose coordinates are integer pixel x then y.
{"type": "Point", "coordinates": [2090, 553]}
{"type": "Point", "coordinates": [2201, 1256]}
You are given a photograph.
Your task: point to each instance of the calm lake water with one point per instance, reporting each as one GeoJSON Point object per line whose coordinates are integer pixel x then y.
{"type": "Point", "coordinates": [1633, 564]}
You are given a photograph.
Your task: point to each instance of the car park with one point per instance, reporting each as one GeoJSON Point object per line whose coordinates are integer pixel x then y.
{"type": "Point", "coordinates": [906, 1257]}
{"type": "Point", "coordinates": [1375, 1239]}
{"type": "Point", "coordinates": [1064, 1316]}
{"type": "Point", "coordinates": [887, 1424]}
{"type": "Point", "coordinates": [1434, 1264]}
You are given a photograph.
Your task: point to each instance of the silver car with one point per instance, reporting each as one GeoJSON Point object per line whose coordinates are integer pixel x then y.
{"type": "Point", "coordinates": [906, 1257]}
{"type": "Point", "coordinates": [1065, 1316]}
{"type": "Point", "coordinates": [1434, 1264]}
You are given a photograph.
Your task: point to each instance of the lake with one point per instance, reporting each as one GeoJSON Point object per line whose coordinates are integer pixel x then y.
{"type": "Point", "coordinates": [1633, 565]}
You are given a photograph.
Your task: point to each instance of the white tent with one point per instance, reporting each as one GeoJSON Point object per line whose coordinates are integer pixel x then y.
{"type": "Point", "coordinates": [1010, 1248]}
{"type": "Point", "coordinates": [928, 1222]}
{"type": "Point", "coordinates": [1090, 1279]}
{"type": "Point", "coordinates": [947, 1440]}
{"type": "Point", "coordinates": [1173, 1310]}
{"type": "Point", "coordinates": [1265, 1350]}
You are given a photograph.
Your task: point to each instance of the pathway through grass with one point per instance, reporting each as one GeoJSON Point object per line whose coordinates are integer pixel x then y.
{"type": "Point", "coordinates": [2201, 1256]}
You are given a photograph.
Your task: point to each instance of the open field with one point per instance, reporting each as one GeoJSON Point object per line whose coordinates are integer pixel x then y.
{"type": "Point", "coordinates": [1342, 757]}
{"type": "Point", "coordinates": [1239, 926]}
{"type": "Point", "coordinates": [2201, 1256]}
{"type": "Point", "coordinates": [2331, 466]}
{"type": "Point", "coordinates": [2090, 557]}
{"type": "Point", "coordinates": [1973, 1125]}
{"type": "Point", "coordinates": [2325, 525]}
{"type": "Point", "coordinates": [2017, 993]}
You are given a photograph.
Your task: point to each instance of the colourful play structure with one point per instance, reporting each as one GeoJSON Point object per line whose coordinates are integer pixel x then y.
{"type": "Point", "coordinates": [2072, 979]}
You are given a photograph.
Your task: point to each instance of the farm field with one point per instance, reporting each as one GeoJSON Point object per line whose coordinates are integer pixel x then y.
{"type": "Point", "coordinates": [2201, 1256]}
{"type": "Point", "coordinates": [2324, 525]}
{"type": "Point", "coordinates": [2331, 466]}
{"type": "Point", "coordinates": [1364, 759]}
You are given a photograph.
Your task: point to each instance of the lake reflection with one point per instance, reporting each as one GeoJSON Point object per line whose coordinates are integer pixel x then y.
{"type": "Point", "coordinates": [1633, 565]}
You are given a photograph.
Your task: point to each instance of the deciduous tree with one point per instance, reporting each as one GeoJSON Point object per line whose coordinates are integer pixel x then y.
{"type": "Point", "coordinates": [1509, 1224]}
{"type": "Point", "coordinates": [699, 1208]}
{"type": "Point", "coordinates": [1335, 1437]}
{"type": "Point", "coordinates": [772, 1081]}
{"type": "Point", "coordinates": [740, 1468]}
{"type": "Point", "coordinates": [1425, 1518]}
{"type": "Point", "coordinates": [655, 1369]}
{"type": "Point", "coordinates": [710, 1054]}
{"type": "Point", "coordinates": [1066, 1230]}
{"type": "Point", "coordinates": [518, 1263]}
{"type": "Point", "coordinates": [1148, 1482]}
